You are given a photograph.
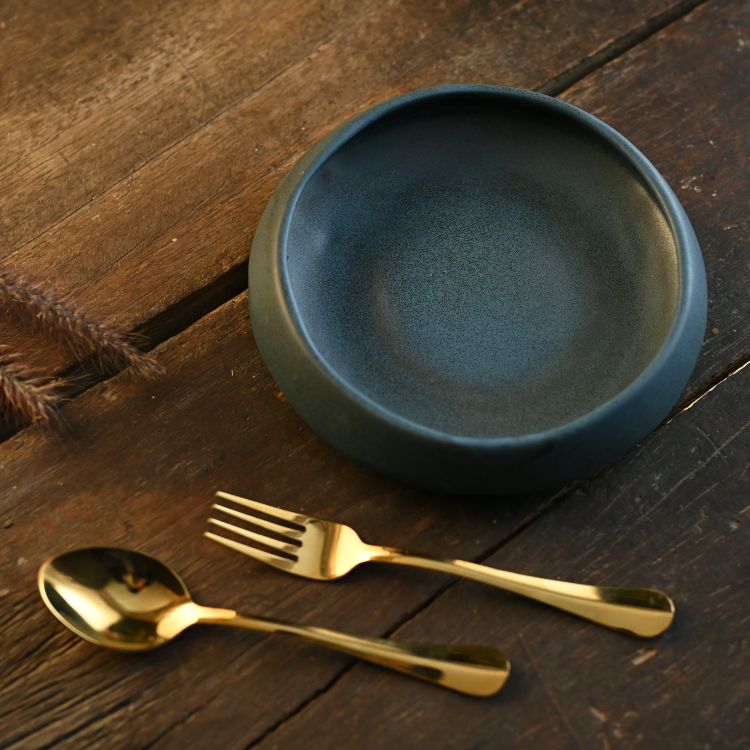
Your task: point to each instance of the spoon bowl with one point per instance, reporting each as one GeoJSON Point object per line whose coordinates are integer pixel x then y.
{"type": "Point", "coordinates": [114, 597]}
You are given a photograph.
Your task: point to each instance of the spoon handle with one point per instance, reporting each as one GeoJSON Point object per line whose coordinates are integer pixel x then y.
{"type": "Point", "coordinates": [474, 670]}
{"type": "Point", "coordinates": [642, 612]}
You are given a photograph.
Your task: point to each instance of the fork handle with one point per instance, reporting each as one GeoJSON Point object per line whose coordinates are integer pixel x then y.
{"type": "Point", "coordinates": [642, 612]}
{"type": "Point", "coordinates": [474, 670]}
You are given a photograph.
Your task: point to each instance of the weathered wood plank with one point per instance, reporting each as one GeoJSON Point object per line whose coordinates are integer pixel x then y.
{"type": "Point", "coordinates": [675, 514]}
{"type": "Point", "coordinates": [89, 92]}
{"type": "Point", "coordinates": [139, 471]}
{"type": "Point", "coordinates": [186, 216]}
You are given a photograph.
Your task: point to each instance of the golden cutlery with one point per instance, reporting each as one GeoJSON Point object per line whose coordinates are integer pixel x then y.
{"type": "Point", "coordinates": [324, 550]}
{"type": "Point", "coordinates": [125, 600]}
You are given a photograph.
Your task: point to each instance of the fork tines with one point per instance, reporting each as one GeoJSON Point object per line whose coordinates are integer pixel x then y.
{"type": "Point", "coordinates": [280, 549]}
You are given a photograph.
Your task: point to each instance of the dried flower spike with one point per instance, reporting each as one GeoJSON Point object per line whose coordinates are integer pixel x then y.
{"type": "Point", "coordinates": [59, 318]}
{"type": "Point", "coordinates": [25, 395]}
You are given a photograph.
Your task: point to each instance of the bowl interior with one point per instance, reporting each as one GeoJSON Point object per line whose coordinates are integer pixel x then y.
{"type": "Point", "coordinates": [482, 267]}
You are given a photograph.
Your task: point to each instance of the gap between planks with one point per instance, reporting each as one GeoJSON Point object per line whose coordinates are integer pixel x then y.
{"type": "Point", "coordinates": [617, 47]}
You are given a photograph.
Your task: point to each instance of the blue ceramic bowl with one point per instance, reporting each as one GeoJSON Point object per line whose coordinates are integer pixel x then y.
{"type": "Point", "coordinates": [478, 290]}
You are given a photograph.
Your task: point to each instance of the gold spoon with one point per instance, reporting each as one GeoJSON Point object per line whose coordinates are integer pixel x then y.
{"type": "Point", "coordinates": [125, 600]}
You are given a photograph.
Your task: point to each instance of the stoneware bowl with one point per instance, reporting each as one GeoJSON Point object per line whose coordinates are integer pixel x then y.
{"type": "Point", "coordinates": [478, 290]}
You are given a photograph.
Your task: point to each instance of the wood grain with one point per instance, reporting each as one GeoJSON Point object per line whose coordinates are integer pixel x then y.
{"type": "Point", "coordinates": [147, 194]}
{"type": "Point", "coordinates": [93, 92]}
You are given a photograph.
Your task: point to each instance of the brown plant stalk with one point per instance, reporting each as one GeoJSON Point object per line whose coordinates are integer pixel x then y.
{"type": "Point", "coordinates": [64, 321]}
{"type": "Point", "coordinates": [26, 395]}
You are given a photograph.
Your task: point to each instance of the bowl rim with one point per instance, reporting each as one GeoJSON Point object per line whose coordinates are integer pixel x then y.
{"type": "Point", "coordinates": [688, 256]}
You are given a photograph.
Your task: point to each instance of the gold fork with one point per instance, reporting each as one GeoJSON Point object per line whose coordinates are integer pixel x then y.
{"type": "Point", "coordinates": [324, 550]}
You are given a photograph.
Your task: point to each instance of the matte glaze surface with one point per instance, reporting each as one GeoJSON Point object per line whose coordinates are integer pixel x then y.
{"type": "Point", "coordinates": [477, 276]}
{"type": "Point", "coordinates": [483, 273]}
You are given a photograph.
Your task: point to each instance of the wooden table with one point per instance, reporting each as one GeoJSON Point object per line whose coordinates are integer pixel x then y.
{"type": "Point", "coordinates": [141, 141]}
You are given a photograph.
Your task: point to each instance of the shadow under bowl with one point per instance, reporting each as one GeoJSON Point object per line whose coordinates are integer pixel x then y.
{"type": "Point", "coordinates": [478, 290]}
